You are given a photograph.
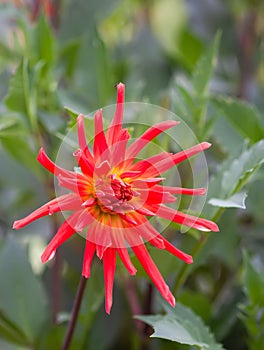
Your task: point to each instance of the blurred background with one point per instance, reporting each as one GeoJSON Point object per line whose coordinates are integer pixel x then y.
{"type": "Point", "coordinates": [203, 60]}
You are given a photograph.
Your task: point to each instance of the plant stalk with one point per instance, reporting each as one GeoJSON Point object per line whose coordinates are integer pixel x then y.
{"type": "Point", "coordinates": [74, 313]}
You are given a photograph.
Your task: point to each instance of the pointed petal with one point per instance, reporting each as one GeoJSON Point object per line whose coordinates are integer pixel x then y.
{"type": "Point", "coordinates": [153, 272]}
{"type": "Point", "coordinates": [123, 253]}
{"type": "Point", "coordinates": [45, 161]}
{"type": "Point", "coordinates": [88, 257]}
{"type": "Point", "coordinates": [109, 261]}
{"type": "Point", "coordinates": [165, 164]}
{"type": "Point", "coordinates": [187, 220]}
{"type": "Point", "coordinates": [87, 167]}
{"type": "Point", "coordinates": [116, 124]}
{"type": "Point", "coordinates": [51, 207]}
{"type": "Point", "coordinates": [82, 138]}
{"type": "Point", "coordinates": [148, 135]}
{"type": "Point", "coordinates": [65, 232]}
{"type": "Point", "coordinates": [100, 145]}
{"type": "Point", "coordinates": [180, 190]}
{"type": "Point", "coordinates": [177, 252]}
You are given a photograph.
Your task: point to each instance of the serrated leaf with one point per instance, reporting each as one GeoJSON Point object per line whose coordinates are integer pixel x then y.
{"type": "Point", "coordinates": [253, 282]}
{"type": "Point", "coordinates": [242, 168]}
{"type": "Point", "coordinates": [22, 298]}
{"type": "Point", "coordinates": [183, 326]}
{"type": "Point", "coordinates": [244, 117]}
{"type": "Point", "coordinates": [204, 68]}
{"type": "Point", "coordinates": [234, 173]}
{"type": "Point", "coordinates": [235, 201]}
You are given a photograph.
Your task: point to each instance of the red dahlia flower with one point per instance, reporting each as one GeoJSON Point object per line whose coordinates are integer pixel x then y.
{"type": "Point", "coordinates": [112, 196]}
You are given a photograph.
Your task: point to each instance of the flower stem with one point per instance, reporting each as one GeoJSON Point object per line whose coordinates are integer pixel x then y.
{"type": "Point", "coordinates": [75, 313]}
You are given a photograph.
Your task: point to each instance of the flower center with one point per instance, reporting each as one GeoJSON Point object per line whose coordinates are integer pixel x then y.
{"type": "Point", "coordinates": [122, 190]}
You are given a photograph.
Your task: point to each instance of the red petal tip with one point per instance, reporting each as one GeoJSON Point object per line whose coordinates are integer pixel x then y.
{"type": "Point", "coordinates": [80, 118]}
{"type": "Point", "coordinates": [16, 225]}
{"type": "Point", "coordinates": [189, 259]}
{"type": "Point", "coordinates": [171, 299]}
{"type": "Point", "coordinates": [47, 257]}
{"type": "Point", "coordinates": [206, 145]}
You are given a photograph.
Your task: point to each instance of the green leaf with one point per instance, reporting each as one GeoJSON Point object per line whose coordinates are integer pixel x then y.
{"type": "Point", "coordinates": [253, 281]}
{"type": "Point", "coordinates": [22, 298]}
{"type": "Point", "coordinates": [205, 67]}
{"type": "Point", "coordinates": [242, 168]}
{"type": "Point", "coordinates": [69, 55]}
{"type": "Point", "coordinates": [235, 201]}
{"type": "Point", "coordinates": [18, 147]}
{"type": "Point", "coordinates": [8, 126]}
{"type": "Point", "coordinates": [10, 332]}
{"type": "Point", "coordinates": [234, 173]}
{"type": "Point", "coordinates": [21, 95]}
{"type": "Point", "coordinates": [43, 41]}
{"type": "Point", "coordinates": [244, 117]}
{"type": "Point", "coordinates": [181, 325]}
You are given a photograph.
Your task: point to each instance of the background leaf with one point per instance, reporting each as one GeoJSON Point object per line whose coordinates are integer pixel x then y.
{"type": "Point", "coordinates": [25, 307]}
{"type": "Point", "coordinates": [183, 326]}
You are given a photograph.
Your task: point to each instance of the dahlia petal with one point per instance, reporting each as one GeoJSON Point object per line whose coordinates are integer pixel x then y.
{"type": "Point", "coordinates": [177, 252]}
{"type": "Point", "coordinates": [144, 164]}
{"type": "Point", "coordinates": [116, 124]}
{"type": "Point", "coordinates": [129, 174]}
{"type": "Point", "coordinates": [102, 168]}
{"type": "Point", "coordinates": [87, 167]}
{"type": "Point", "coordinates": [148, 135]}
{"type": "Point", "coordinates": [180, 190]}
{"type": "Point", "coordinates": [68, 202]}
{"type": "Point", "coordinates": [118, 151]}
{"type": "Point", "coordinates": [51, 207]}
{"type": "Point", "coordinates": [186, 219]}
{"type": "Point", "coordinates": [88, 257]}
{"type": "Point", "coordinates": [82, 139]}
{"type": "Point", "coordinates": [65, 231]}
{"type": "Point", "coordinates": [124, 256]}
{"type": "Point", "coordinates": [145, 211]}
{"type": "Point", "coordinates": [100, 144]}
{"type": "Point", "coordinates": [109, 261]}
{"type": "Point", "coordinates": [128, 219]}
{"type": "Point", "coordinates": [153, 272]}
{"type": "Point", "coordinates": [165, 164]}
{"type": "Point", "coordinates": [84, 219]}
{"type": "Point", "coordinates": [45, 161]}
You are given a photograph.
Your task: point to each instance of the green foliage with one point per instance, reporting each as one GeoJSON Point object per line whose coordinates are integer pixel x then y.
{"type": "Point", "coordinates": [252, 312]}
{"type": "Point", "coordinates": [232, 176]}
{"type": "Point", "coordinates": [243, 116]}
{"type": "Point", "coordinates": [183, 326]}
{"type": "Point", "coordinates": [167, 52]}
{"type": "Point", "coordinates": [23, 310]}
{"type": "Point", "coordinates": [22, 93]}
